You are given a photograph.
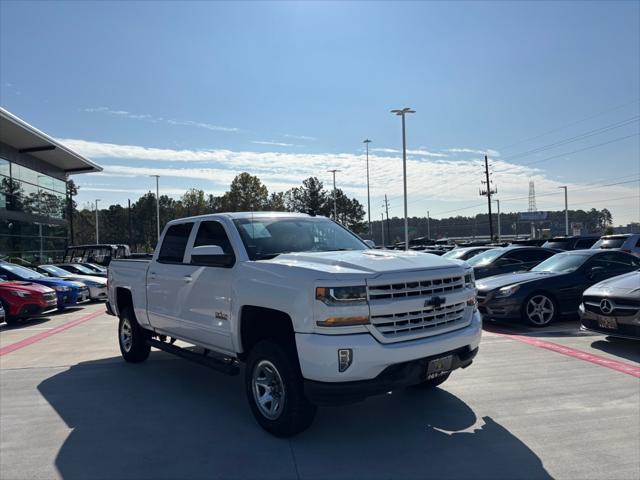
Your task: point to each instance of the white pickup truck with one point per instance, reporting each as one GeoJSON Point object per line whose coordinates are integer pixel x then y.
{"type": "Point", "coordinates": [316, 315]}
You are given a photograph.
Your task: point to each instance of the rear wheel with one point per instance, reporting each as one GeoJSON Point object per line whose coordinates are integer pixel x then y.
{"type": "Point", "coordinates": [8, 318]}
{"type": "Point", "coordinates": [132, 338]}
{"type": "Point", "coordinates": [539, 309]}
{"type": "Point", "coordinates": [275, 390]}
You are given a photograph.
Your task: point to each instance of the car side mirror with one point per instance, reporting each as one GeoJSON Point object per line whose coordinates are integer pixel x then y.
{"type": "Point", "coordinates": [211, 256]}
{"type": "Point", "coordinates": [595, 272]}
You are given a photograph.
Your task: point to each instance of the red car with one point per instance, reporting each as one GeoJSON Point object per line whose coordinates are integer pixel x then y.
{"type": "Point", "coordinates": [25, 299]}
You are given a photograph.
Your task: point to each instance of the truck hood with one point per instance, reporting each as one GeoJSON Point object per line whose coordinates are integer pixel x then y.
{"type": "Point", "coordinates": [627, 284]}
{"type": "Point", "coordinates": [364, 261]}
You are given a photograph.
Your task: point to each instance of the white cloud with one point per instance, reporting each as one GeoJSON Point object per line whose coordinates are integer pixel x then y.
{"type": "Point", "coordinates": [421, 152]}
{"type": "Point", "coordinates": [276, 144]}
{"type": "Point", "coordinates": [299, 137]}
{"type": "Point", "coordinates": [450, 182]}
{"type": "Point", "coordinates": [151, 118]}
{"type": "Point", "coordinates": [489, 152]}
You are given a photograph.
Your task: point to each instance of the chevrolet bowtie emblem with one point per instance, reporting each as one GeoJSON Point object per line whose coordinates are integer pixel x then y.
{"type": "Point", "coordinates": [435, 302]}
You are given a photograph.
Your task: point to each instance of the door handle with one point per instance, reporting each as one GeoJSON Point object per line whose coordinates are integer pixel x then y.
{"type": "Point", "coordinates": [152, 275]}
{"type": "Point", "coordinates": [187, 279]}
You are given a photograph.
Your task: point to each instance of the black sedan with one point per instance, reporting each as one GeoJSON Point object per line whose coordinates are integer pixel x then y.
{"type": "Point", "coordinates": [552, 288]}
{"type": "Point", "coordinates": [465, 253]}
{"type": "Point", "coordinates": [508, 259]}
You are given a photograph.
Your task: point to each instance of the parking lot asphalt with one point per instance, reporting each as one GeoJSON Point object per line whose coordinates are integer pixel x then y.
{"type": "Point", "coordinates": [71, 408]}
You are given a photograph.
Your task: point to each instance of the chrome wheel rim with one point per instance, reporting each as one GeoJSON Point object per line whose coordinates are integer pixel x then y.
{"type": "Point", "coordinates": [126, 335]}
{"type": "Point", "coordinates": [268, 389]}
{"type": "Point", "coordinates": [540, 310]}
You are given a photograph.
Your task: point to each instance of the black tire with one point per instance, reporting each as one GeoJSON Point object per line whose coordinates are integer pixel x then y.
{"type": "Point", "coordinates": [11, 321]}
{"type": "Point", "coordinates": [293, 413]}
{"type": "Point", "coordinates": [434, 382]}
{"type": "Point", "coordinates": [132, 338]}
{"type": "Point", "coordinates": [544, 320]}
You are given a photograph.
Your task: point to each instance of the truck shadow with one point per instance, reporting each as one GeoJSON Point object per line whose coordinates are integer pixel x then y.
{"type": "Point", "coordinates": [168, 418]}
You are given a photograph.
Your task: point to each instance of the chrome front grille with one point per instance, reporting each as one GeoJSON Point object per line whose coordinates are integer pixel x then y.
{"type": "Point", "coordinates": [622, 307]}
{"type": "Point", "coordinates": [419, 321]}
{"type": "Point", "coordinates": [421, 288]}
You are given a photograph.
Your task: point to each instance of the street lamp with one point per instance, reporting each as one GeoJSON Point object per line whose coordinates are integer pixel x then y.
{"type": "Point", "coordinates": [97, 231]}
{"type": "Point", "coordinates": [402, 113]}
{"type": "Point", "coordinates": [157, 205]}
{"type": "Point", "coordinates": [367, 142]}
{"type": "Point", "coordinates": [335, 207]}
{"type": "Point", "coordinates": [566, 212]}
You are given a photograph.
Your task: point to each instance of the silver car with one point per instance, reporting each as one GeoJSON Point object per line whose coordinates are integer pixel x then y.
{"type": "Point", "coordinates": [627, 242]}
{"type": "Point", "coordinates": [613, 306]}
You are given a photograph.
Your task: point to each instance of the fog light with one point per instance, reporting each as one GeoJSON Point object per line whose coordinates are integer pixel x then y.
{"type": "Point", "coordinates": [345, 357]}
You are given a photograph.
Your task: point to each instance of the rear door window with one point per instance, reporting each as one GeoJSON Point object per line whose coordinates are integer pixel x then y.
{"type": "Point", "coordinates": [174, 243]}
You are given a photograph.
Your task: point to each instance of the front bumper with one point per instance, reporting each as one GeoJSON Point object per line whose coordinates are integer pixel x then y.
{"type": "Point", "coordinates": [318, 354]}
{"type": "Point", "coordinates": [393, 377]}
{"type": "Point", "coordinates": [627, 326]}
{"type": "Point", "coordinates": [508, 308]}
{"type": "Point", "coordinates": [98, 293]}
{"type": "Point", "coordinates": [73, 297]}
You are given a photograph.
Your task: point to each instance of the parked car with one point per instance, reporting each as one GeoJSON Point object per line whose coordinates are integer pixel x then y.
{"type": "Point", "coordinates": [68, 293]}
{"type": "Point", "coordinates": [576, 242]}
{"type": "Point", "coordinates": [21, 300]}
{"type": "Point", "coordinates": [316, 315]}
{"type": "Point", "coordinates": [78, 269]}
{"type": "Point", "coordinates": [94, 267]}
{"type": "Point", "coordinates": [528, 242]}
{"type": "Point", "coordinates": [465, 253]}
{"type": "Point", "coordinates": [97, 285]}
{"type": "Point", "coordinates": [627, 242]}
{"type": "Point", "coordinates": [508, 259]}
{"type": "Point", "coordinates": [552, 288]}
{"type": "Point", "coordinates": [613, 307]}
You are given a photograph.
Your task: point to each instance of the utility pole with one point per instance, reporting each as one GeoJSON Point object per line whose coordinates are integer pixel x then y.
{"type": "Point", "coordinates": [499, 234]}
{"type": "Point", "coordinates": [129, 221]}
{"type": "Point", "coordinates": [428, 226]}
{"type": "Point", "coordinates": [157, 205]}
{"type": "Point", "coordinates": [402, 114]}
{"type": "Point", "coordinates": [386, 207]}
{"type": "Point", "coordinates": [382, 227]}
{"type": "Point", "coordinates": [97, 236]}
{"type": "Point", "coordinates": [335, 205]}
{"type": "Point", "coordinates": [487, 193]}
{"type": "Point", "coordinates": [367, 142]}
{"type": "Point", "coordinates": [566, 212]}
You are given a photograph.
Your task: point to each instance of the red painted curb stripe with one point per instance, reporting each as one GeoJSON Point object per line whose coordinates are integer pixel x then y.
{"type": "Point", "coordinates": [41, 336]}
{"type": "Point", "coordinates": [579, 354]}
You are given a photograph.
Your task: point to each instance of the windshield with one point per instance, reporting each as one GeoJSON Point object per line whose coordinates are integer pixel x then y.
{"type": "Point", "coordinates": [95, 268]}
{"type": "Point", "coordinates": [561, 263]}
{"type": "Point", "coordinates": [455, 253]}
{"type": "Point", "coordinates": [485, 258]}
{"type": "Point", "coordinates": [561, 244]}
{"type": "Point", "coordinates": [22, 272]}
{"type": "Point", "coordinates": [609, 242]}
{"type": "Point", "coordinates": [83, 269]}
{"type": "Point", "coordinates": [53, 270]}
{"type": "Point", "coordinates": [268, 237]}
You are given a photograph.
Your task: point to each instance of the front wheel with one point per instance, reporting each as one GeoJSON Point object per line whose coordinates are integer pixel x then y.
{"type": "Point", "coordinates": [539, 310]}
{"type": "Point", "coordinates": [275, 390]}
{"type": "Point", "coordinates": [132, 338]}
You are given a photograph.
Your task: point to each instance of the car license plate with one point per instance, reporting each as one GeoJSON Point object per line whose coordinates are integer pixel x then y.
{"type": "Point", "coordinates": [439, 366]}
{"type": "Point", "coordinates": [607, 322]}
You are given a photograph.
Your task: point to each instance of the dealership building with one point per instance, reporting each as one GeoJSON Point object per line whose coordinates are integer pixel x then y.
{"type": "Point", "coordinates": [34, 169]}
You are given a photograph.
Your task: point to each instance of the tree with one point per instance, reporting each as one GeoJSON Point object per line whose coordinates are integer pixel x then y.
{"type": "Point", "coordinates": [276, 202]}
{"type": "Point", "coordinates": [192, 203]}
{"type": "Point", "coordinates": [310, 197]}
{"type": "Point", "coordinates": [246, 193]}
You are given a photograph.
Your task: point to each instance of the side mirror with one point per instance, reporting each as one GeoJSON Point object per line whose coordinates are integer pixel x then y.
{"type": "Point", "coordinates": [370, 243]}
{"type": "Point", "coordinates": [595, 272]}
{"type": "Point", "coordinates": [211, 256]}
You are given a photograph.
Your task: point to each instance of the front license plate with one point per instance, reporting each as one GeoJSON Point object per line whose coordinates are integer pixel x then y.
{"type": "Point", "coordinates": [439, 366]}
{"type": "Point", "coordinates": [606, 322]}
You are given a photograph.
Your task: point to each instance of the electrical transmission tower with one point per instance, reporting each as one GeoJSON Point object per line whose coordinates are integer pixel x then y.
{"type": "Point", "coordinates": [486, 191]}
{"type": "Point", "coordinates": [386, 207]}
{"type": "Point", "coordinates": [532, 206]}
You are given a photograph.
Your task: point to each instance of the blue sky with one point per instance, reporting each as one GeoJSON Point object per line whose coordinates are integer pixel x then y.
{"type": "Point", "coordinates": [198, 92]}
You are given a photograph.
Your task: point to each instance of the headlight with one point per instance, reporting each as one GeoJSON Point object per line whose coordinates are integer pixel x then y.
{"type": "Point", "coordinates": [507, 291]}
{"type": "Point", "coordinates": [61, 288]}
{"type": "Point", "coordinates": [469, 280]}
{"type": "Point", "coordinates": [20, 294]}
{"type": "Point", "coordinates": [342, 295]}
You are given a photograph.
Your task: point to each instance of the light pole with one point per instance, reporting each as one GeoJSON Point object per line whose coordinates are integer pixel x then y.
{"type": "Point", "coordinates": [498, 202]}
{"type": "Point", "coordinates": [566, 212]}
{"type": "Point", "coordinates": [402, 113]}
{"type": "Point", "coordinates": [97, 231]}
{"type": "Point", "coordinates": [157, 205]}
{"type": "Point", "coordinates": [335, 207]}
{"type": "Point", "coordinates": [367, 142]}
{"type": "Point", "coordinates": [382, 227]}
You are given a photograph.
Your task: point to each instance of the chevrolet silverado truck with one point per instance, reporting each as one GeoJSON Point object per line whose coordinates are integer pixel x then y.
{"type": "Point", "coordinates": [315, 315]}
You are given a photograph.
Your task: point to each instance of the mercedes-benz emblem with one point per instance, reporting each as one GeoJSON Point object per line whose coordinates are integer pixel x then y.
{"type": "Point", "coordinates": [605, 306]}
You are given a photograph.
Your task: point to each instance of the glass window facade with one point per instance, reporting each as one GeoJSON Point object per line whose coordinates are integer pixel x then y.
{"type": "Point", "coordinates": [24, 191]}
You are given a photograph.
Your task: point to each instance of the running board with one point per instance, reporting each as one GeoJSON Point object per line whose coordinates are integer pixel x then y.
{"type": "Point", "coordinates": [218, 362]}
